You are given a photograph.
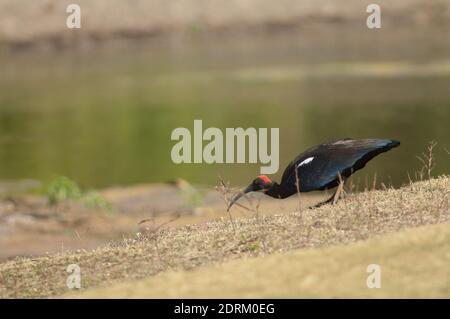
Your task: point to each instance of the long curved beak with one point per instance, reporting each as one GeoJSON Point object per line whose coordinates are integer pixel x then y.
{"type": "Point", "coordinates": [250, 188]}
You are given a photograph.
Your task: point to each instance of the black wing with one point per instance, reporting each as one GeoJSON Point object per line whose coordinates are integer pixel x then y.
{"type": "Point", "coordinates": [318, 167]}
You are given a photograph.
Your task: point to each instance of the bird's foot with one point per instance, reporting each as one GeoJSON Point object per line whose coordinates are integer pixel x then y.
{"type": "Point", "coordinates": [325, 202]}
{"type": "Point", "coordinates": [334, 198]}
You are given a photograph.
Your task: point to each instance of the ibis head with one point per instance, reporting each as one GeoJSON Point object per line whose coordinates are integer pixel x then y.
{"type": "Point", "coordinates": [260, 183]}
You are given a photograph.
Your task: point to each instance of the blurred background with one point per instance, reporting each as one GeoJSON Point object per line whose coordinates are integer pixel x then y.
{"type": "Point", "coordinates": [98, 103]}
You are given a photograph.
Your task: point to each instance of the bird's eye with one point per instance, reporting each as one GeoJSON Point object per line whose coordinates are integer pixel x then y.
{"type": "Point", "coordinates": [258, 182]}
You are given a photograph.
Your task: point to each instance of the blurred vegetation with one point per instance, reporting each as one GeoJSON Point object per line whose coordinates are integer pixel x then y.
{"type": "Point", "coordinates": [92, 199]}
{"type": "Point", "coordinates": [62, 189]}
{"type": "Point", "coordinates": [192, 196]}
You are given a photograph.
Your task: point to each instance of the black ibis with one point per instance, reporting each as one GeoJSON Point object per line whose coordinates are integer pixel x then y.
{"type": "Point", "coordinates": [321, 167]}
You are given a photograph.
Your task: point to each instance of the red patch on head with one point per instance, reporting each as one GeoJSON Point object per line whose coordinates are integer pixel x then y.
{"type": "Point", "coordinates": [264, 178]}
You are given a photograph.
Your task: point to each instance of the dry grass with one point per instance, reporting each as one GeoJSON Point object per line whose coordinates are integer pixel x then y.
{"type": "Point", "coordinates": [413, 263]}
{"type": "Point", "coordinates": [358, 217]}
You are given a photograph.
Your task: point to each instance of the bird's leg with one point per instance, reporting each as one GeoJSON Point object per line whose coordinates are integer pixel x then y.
{"type": "Point", "coordinates": [339, 190]}
{"type": "Point", "coordinates": [335, 197]}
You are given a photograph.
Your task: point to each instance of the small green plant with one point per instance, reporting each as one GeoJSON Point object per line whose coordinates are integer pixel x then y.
{"type": "Point", "coordinates": [63, 189]}
{"type": "Point", "coordinates": [93, 199]}
{"type": "Point", "coordinates": [253, 246]}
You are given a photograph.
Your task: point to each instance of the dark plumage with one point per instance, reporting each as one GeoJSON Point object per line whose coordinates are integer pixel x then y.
{"type": "Point", "coordinates": [321, 167]}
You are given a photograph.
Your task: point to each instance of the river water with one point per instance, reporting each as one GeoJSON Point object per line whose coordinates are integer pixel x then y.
{"type": "Point", "coordinates": [104, 116]}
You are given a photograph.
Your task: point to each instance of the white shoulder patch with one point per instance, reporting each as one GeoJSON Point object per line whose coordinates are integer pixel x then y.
{"type": "Point", "coordinates": [306, 161]}
{"type": "Point", "coordinates": [343, 142]}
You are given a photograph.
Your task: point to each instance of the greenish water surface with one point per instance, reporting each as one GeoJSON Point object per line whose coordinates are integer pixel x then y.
{"type": "Point", "coordinates": [104, 116]}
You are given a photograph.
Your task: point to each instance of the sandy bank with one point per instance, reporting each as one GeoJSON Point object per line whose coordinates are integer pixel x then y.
{"type": "Point", "coordinates": [25, 23]}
